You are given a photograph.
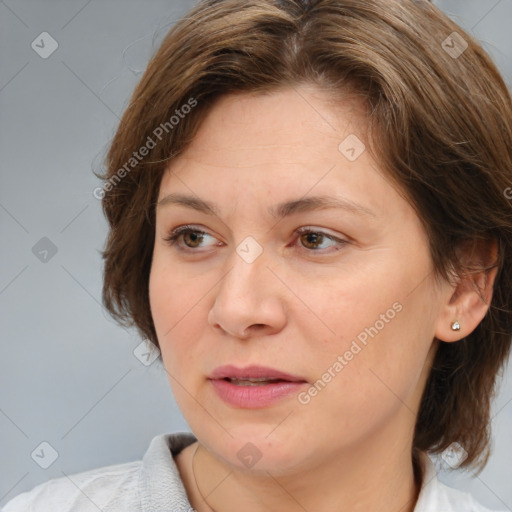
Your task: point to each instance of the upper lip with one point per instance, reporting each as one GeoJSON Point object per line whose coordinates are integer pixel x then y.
{"type": "Point", "coordinates": [254, 371]}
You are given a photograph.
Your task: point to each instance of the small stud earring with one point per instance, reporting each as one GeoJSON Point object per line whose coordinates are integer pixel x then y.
{"type": "Point", "coordinates": [455, 326]}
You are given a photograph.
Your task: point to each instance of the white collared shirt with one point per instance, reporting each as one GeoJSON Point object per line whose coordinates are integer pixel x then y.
{"type": "Point", "coordinates": [153, 484]}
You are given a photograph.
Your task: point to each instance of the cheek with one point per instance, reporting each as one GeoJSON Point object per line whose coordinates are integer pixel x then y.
{"type": "Point", "coordinates": [172, 293]}
{"type": "Point", "coordinates": [175, 306]}
{"type": "Point", "coordinates": [380, 336]}
{"type": "Point", "coordinates": [378, 365]}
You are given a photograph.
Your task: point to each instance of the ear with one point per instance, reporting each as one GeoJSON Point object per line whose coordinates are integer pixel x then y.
{"type": "Point", "coordinates": [469, 297]}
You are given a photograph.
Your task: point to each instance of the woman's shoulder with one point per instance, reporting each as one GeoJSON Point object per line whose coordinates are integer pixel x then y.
{"type": "Point", "coordinates": [89, 490]}
{"type": "Point", "coordinates": [436, 495]}
{"type": "Point", "coordinates": [458, 500]}
{"type": "Point", "coordinates": [115, 488]}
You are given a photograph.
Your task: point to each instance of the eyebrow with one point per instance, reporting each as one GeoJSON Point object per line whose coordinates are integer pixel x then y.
{"type": "Point", "coordinates": [279, 211]}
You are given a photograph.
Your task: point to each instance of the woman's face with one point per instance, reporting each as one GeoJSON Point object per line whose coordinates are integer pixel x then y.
{"type": "Point", "coordinates": [338, 297]}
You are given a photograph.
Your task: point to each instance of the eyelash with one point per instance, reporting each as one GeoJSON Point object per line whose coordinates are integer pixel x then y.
{"type": "Point", "coordinates": [175, 234]}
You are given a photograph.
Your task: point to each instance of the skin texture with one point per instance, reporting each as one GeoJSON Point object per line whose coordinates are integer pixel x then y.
{"type": "Point", "coordinates": [297, 308]}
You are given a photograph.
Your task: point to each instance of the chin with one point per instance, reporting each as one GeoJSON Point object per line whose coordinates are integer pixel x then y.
{"type": "Point", "coordinates": [255, 448]}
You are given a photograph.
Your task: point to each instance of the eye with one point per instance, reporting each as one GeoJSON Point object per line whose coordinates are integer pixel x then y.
{"type": "Point", "coordinates": [190, 236]}
{"type": "Point", "coordinates": [313, 239]}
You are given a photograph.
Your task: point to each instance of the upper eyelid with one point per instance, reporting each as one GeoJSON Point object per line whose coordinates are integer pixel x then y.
{"type": "Point", "coordinates": [314, 229]}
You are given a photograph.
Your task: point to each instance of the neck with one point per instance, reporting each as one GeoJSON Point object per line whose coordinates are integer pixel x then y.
{"type": "Point", "coordinates": [374, 477]}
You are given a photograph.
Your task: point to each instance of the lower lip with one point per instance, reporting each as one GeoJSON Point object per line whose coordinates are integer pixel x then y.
{"type": "Point", "coordinates": [255, 397]}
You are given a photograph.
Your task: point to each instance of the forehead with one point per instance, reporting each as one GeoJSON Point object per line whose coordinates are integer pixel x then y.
{"type": "Point", "coordinates": [291, 133]}
{"type": "Point", "coordinates": [273, 123]}
{"type": "Point", "coordinates": [266, 149]}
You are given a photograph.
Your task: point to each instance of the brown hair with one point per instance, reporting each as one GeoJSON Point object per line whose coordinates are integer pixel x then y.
{"type": "Point", "coordinates": [441, 126]}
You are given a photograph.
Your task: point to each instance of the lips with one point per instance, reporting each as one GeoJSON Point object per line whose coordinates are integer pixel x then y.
{"type": "Point", "coordinates": [254, 387]}
{"type": "Point", "coordinates": [253, 374]}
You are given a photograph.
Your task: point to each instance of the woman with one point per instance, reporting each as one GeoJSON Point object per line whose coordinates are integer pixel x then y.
{"type": "Point", "coordinates": [309, 218]}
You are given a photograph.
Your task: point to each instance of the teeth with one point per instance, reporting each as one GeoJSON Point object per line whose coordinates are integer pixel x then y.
{"type": "Point", "coordinates": [252, 381]}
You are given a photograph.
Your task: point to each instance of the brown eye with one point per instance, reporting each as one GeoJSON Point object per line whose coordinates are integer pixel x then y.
{"type": "Point", "coordinates": [186, 237]}
{"type": "Point", "coordinates": [312, 240]}
{"type": "Point", "coordinates": [193, 238]}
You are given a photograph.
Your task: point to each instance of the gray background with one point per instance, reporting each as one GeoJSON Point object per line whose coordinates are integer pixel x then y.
{"type": "Point", "coordinates": [68, 373]}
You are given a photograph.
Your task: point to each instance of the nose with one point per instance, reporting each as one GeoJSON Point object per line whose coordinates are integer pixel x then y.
{"type": "Point", "coordinates": [249, 300]}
